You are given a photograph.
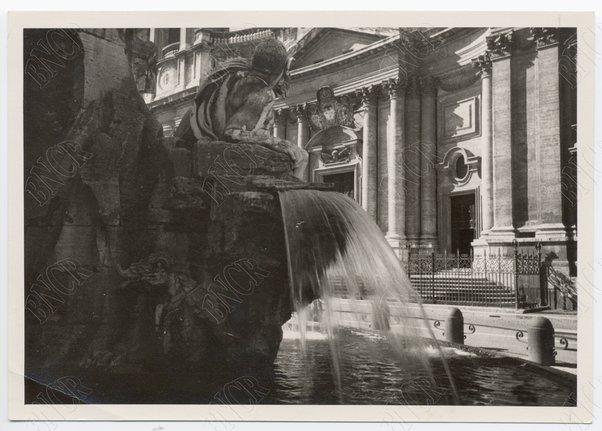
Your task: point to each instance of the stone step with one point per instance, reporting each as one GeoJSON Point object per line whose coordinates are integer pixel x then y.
{"type": "Point", "coordinates": [454, 284]}
{"type": "Point", "coordinates": [454, 289]}
{"type": "Point", "coordinates": [456, 278]}
{"type": "Point", "coordinates": [461, 285]}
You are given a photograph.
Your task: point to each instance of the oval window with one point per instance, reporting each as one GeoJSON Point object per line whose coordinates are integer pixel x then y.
{"type": "Point", "coordinates": [461, 168]}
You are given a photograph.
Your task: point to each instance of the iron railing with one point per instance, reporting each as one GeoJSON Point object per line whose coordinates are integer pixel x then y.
{"type": "Point", "coordinates": [562, 289]}
{"type": "Point", "coordinates": [518, 279]}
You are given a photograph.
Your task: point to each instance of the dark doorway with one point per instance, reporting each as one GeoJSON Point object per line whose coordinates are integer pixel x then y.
{"type": "Point", "coordinates": [462, 223]}
{"type": "Point", "coordinates": [343, 182]}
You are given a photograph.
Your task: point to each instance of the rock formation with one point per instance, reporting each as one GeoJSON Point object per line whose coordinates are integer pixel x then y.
{"type": "Point", "coordinates": [153, 273]}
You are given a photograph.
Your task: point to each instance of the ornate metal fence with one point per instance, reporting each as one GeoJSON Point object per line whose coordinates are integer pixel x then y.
{"type": "Point", "coordinates": [562, 290]}
{"type": "Point", "coordinates": [530, 282]}
{"type": "Point", "coordinates": [516, 280]}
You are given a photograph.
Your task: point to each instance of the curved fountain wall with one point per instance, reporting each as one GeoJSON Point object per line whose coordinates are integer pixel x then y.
{"type": "Point", "coordinates": [147, 265]}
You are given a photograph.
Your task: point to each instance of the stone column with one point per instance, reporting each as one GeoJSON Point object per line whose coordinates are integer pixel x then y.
{"type": "Point", "coordinates": [301, 125]}
{"type": "Point", "coordinates": [550, 179]}
{"type": "Point", "coordinates": [395, 169]}
{"type": "Point", "coordinates": [181, 70]}
{"type": "Point", "coordinates": [483, 62]}
{"type": "Point", "coordinates": [412, 159]}
{"type": "Point", "coordinates": [181, 59]}
{"type": "Point", "coordinates": [302, 131]}
{"type": "Point", "coordinates": [500, 47]}
{"type": "Point", "coordinates": [279, 124]}
{"type": "Point", "coordinates": [183, 44]}
{"type": "Point", "coordinates": [369, 157]}
{"type": "Point", "coordinates": [428, 160]}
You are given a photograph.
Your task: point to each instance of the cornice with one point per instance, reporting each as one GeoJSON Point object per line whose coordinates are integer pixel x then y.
{"type": "Point", "coordinates": [346, 58]}
{"type": "Point", "coordinates": [347, 87]}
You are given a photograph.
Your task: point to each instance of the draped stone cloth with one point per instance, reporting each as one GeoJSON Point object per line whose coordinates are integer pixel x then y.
{"type": "Point", "coordinates": [234, 97]}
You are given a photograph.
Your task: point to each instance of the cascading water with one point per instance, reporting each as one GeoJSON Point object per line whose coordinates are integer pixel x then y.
{"type": "Point", "coordinates": [335, 251]}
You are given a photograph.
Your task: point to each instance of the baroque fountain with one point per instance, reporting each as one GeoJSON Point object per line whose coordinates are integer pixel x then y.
{"type": "Point", "coordinates": [174, 263]}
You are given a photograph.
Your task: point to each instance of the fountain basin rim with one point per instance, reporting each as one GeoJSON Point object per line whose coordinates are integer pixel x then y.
{"type": "Point", "coordinates": [484, 352]}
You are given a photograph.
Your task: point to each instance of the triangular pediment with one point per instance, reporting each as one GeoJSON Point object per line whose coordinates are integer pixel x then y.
{"type": "Point", "coordinates": [321, 44]}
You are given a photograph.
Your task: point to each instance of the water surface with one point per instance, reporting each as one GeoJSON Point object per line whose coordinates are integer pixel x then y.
{"type": "Point", "coordinates": [371, 373]}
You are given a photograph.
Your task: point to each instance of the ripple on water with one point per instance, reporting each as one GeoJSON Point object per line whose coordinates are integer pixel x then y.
{"type": "Point", "coordinates": [372, 374]}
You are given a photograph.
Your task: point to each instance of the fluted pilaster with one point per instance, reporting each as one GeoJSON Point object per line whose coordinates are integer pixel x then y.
{"type": "Point", "coordinates": [428, 160]}
{"type": "Point", "coordinates": [395, 167]}
{"type": "Point", "coordinates": [549, 137]}
{"type": "Point", "coordinates": [412, 159]}
{"type": "Point", "coordinates": [369, 157]}
{"type": "Point", "coordinates": [483, 63]}
{"type": "Point", "coordinates": [500, 46]}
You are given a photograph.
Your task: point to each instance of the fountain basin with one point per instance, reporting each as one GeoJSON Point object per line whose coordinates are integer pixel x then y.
{"type": "Point", "coordinates": [372, 374]}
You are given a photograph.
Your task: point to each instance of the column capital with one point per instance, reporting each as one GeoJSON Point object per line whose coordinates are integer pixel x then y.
{"type": "Point", "coordinates": [392, 87]}
{"type": "Point", "coordinates": [368, 95]}
{"type": "Point", "coordinates": [428, 84]}
{"type": "Point", "coordinates": [500, 45]}
{"type": "Point", "coordinates": [280, 114]}
{"type": "Point", "coordinates": [483, 64]}
{"type": "Point", "coordinates": [544, 36]}
{"type": "Point", "coordinates": [299, 111]}
{"type": "Point", "coordinates": [279, 123]}
{"type": "Point", "coordinates": [413, 88]}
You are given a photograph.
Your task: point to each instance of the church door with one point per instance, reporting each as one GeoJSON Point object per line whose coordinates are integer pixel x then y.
{"type": "Point", "coordinates": [343, 182]}
{"type": "Point", "coordinates": [462, 223]}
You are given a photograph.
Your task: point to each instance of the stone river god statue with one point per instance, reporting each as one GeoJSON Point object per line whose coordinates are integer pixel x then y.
{"type": "Point", "coordinates": [178, 244]}
{"type": "Point", "coordinates": [235, 103]}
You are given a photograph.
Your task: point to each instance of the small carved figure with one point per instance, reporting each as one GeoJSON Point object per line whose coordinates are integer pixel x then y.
{"type": "Point", "coordinates": [155, 272]}
{"type": "Point", "coordinates": [235, 104]}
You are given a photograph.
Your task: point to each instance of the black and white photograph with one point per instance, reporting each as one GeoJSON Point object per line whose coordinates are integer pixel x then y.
{"type": "Point", "coordinates": [275, 215]}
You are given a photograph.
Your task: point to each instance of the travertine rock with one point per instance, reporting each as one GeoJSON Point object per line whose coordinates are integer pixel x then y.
{"type": "Point", "coordinates": [171, 277]}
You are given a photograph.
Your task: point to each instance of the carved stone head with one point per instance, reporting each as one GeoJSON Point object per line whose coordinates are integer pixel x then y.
{"type": "Point", "coordinates": [269, 58]}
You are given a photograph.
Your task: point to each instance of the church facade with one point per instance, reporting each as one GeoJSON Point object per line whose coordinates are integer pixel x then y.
{"type": "Point", "coordinates": [457, 140]}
